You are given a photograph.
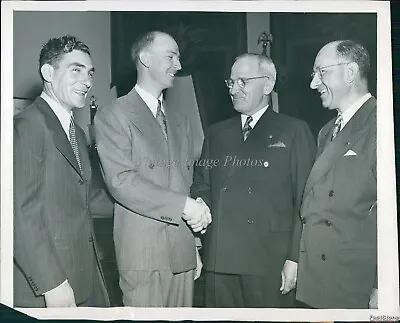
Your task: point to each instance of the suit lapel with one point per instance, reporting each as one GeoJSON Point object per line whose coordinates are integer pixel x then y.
{"type": "Point", "coordinates": [59, 137]}
{"type": "Point", "coordinates": [258, 135]}
{"type": "Point", "coordinates": [346, 138]}
{"type": "Point", "coordinates": [144, 121]}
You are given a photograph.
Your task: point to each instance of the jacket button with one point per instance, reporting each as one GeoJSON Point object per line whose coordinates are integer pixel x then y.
{"type": "Point", "coordinates": [250, 221]}
{"type": "Point", "coordinates": [323, 257]}
{"type": "Point", "coordinates": [80, 182]}
{"type": "Point", "coordinates": [328, 223]}
{"type": "Point", "coordinates": [331, 193]}
{"type": "Point", "coordinates": [224, 189]}
{"type": "Point", "coordinates": [250, 190]}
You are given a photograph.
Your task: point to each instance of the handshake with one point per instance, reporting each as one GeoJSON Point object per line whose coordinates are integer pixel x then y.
{"type": "Point", "coordinates": [197, 214]}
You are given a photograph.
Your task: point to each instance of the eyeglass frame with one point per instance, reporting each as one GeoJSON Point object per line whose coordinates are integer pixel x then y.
{"type": "Point", "coordinates": [319, 72]}
{"type": "Point", "coordinates": [244, 80]}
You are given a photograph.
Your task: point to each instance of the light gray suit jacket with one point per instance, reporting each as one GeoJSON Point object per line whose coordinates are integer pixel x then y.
{"type": "Point", "coordinates": [149, 178]}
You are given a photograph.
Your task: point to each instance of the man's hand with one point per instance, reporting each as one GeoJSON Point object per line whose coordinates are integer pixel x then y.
{"type": "Point", "coordinates": [200, 200]}
{"type": "Point", "coordinates": [196, 214]}
{"type": "Point", "coordinates": [373, 299]}
{"type": "Point", "coordinates": [199, 265]}
{"type": "Point", "coordinates": [61, 296]}
{"type": "Point", "coordinates": [289, 276]}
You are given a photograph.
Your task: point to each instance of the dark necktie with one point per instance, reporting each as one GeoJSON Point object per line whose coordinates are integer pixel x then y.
{"type": "Point", "coordinates": [247, 128]}
{"type": "Point", "coordinates": [74, 142]}
{"type": "Point", "coordinates": [161, 120]}
{"type": "Point", "coordinates": [337, 126]}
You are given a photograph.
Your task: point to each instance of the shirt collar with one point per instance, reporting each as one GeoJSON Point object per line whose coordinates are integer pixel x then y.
{"type": "Point", "coordinates": [351, 110]}
{"type": "Point", "coordinates": [62, 114]}
{"type": "Point", "coordinates": [150, 100]}
{"type": "Point", "coordinates": [256, 116]}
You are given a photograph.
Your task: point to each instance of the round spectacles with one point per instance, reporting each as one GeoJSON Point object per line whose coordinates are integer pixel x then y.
{"type": "Point", "coordinates": [242, 81]}
{"type": "Point", "coordinates": [320, 71]}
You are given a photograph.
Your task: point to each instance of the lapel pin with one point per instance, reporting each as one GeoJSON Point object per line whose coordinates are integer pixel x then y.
{"type": "Point", "coordinates": [266, 164]}
{"type": "Point", "coordinates": [270, 136]}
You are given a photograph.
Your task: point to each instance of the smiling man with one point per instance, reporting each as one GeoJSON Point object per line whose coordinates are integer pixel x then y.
{"type": "Point", "coordinates": [55, 262]}
{"type": "Point", "coordinates": [337, 264]}
{"type": "Point", "coordinates": [251, 248]}
{"type": "Point", "coordinates": [144, 148]}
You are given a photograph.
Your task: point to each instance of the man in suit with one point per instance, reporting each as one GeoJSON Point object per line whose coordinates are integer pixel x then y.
{"type": "Point", "coordinates": [255, 168]}
{"type": "Point", "coordinates": [55, 263]}
{"type": "Point", "coordinates": [146, 153]}
{"type": "Point", "coordinates": [337, 264]}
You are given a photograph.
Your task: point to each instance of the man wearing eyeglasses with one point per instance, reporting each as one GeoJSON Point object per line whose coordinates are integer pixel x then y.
{"type": "Point", "coordinates": [337, 263]}
{"type": "Point", "coordinates": [254, 193]}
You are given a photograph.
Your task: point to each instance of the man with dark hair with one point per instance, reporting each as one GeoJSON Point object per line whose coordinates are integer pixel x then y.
{"type": "Point", "coordinates": [144, 149]}
{"type": "Point", "coordinates": [55, 262]}
{"type": "Point", "coordinates": [338, 256]}
{"type": "Point", "coordinates": [254, 193]}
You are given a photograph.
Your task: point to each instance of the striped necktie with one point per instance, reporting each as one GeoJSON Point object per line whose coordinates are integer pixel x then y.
{"type": "Point", "coordinates": [74, 142]}
{"type": "Point", "coordinates": [247, 128]}
{"type": "Point", "coordinates": [161, 120]}
{"type": "Point", "coordinates": [337, 126]}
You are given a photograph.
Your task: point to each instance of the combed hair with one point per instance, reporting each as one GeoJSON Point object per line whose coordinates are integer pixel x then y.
{"type": "Point", "coordinates": [141, 43]}
{"type": "Point", "coordinates": [265, 64]}
{"type": "Point", "coordinates": [354, 52]}
{"type": "Point", "coordinates": [55, 48]}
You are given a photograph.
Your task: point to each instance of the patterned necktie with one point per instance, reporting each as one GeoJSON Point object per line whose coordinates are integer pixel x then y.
{"type": "Point", "coordinates": [161, 120]}
{"type": "Point", "coordinates": [247, 128]}
{"type": "Point", "coordinates": [337, 126]}
{"type": "Point", "coordinates": [74, 142]}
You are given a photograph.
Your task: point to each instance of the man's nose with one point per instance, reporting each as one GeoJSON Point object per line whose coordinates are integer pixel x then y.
{"type": "Point", "coordinates": [315, 81]}
{"type": "Point", "coordinates": [178, 65]}
{"type": "Point", "coordinates": [235, 88]}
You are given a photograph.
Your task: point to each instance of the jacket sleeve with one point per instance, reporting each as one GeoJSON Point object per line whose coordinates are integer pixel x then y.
{"type": "Point", "coordinates": [114, 139]}
{"type": "Point", "coordinates": [302, 159]}
{"type": "Point", "coordinates": [201, 186]}
{"type": "Point", "coordinates": [34, 251]}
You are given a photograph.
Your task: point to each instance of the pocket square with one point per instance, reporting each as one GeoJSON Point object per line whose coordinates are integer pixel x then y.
{"type": "Point", "coordinates": [350, 153]}
{"type": "Point", "coordinates": [277, 144]}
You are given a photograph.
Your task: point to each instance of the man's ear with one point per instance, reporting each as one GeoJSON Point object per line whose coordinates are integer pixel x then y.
{"type": "Point", "coordinates": [47, 72]}
{"type": "Point", "coordinates": [144, 58]}
{"type": "Point", "coordinates": [352, 72]}
{"type": "Point", "coordinates": [269, 86]}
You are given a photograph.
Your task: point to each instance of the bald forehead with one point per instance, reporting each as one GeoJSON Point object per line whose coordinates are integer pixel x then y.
{"type": "Point", "coordinates": [327, 55]}
{"type": "Point", "coordinates": [246, 64]}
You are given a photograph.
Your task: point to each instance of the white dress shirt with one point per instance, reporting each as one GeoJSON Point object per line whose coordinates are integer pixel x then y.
{"type": "Point", "coordinates": [256, 116]}
{"type": "Point", "coordinates": [150, 100]}
{"type": "Point", "coordinates": [62, 114]}
{"type": "Point", "coordinates": [351, 110]}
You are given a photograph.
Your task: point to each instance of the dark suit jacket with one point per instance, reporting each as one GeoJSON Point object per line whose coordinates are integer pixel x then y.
{"type": "Point", "coordinates": [150, 179]}
{"type": "Point", "coordinates": [255, 206]}
{"type": "Point", "coordinates": [53, 235]}
{"type": "Point", "coordinates": [337, 267]}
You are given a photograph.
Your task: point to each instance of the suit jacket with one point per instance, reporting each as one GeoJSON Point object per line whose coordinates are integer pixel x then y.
{"type": "Point", "coordinates": [337, 267]}
{"type": "Point", "coordinates": [254, 192]}
{"type": "Point", "coordinates": [53, 234]}
{"type": "Point", "coordinates": [149, 178]}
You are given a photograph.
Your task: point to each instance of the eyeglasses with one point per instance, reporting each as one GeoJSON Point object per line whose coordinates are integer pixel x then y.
{"type": "Point", "coordinates": [242, 81]}
{"type": "Point", "coordinates": [320, 71]}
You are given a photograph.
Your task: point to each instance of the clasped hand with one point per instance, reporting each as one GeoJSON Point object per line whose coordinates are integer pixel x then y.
{"type": "Point", "coordinates": [197, 214]}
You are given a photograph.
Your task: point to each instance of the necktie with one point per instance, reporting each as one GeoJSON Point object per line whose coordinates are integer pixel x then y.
{"type": "Point", "coordinates": [337, 126]}
{"type": "Point", "coordinates": [74, 142]}
{"type": "Point", "coordinates": [247, 128]}
{"type": "Point", "coordinates": [161, 120]}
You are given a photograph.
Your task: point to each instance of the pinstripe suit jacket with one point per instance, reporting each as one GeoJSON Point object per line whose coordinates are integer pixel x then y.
{"type": "Point", "coordinates": [53, 236]}
{"type": "Point", "coordinates": [150, 180]}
